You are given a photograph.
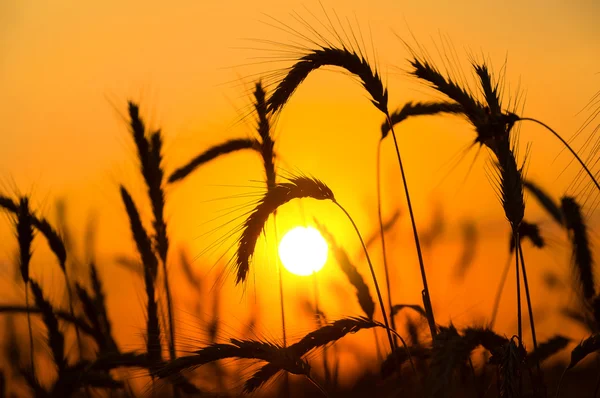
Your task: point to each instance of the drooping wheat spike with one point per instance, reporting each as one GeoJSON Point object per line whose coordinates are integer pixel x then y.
{"type": "Point", "coordinates": [329, 56]}
{"type": "Point", "coordinates": [8, 204]}
{"type": "Point", "coordinates": [551, 207]}
{"type": "Point", "coordinates": [546, 349]}
{"type": "Point", "coordinates": [586, 347]}
{"type": "Point", "coordinates": [214, 152]}
{"type": "Point", "coordinates": [396, 308]}
{"type": "Point", "coordinates": [281, 193]}
{"type": "Point", "coordinates": [54, 240]}
{"type": "Point", "coordinates": [412, 109]}
{"type": "Point", "coordinates": [56, 340]}
{"type": "Point", "coordinates": [470, 239]}
{"type": "Point", "coordinates": [530, 231]}
{"type": "Point", "coordinates": [318, 338]}
{"type": "Point", "coordinates": [263, 126]}
{"type": "Point", "coordinates": [485, 337]}
{"type": "Point", "coordinates": [357, 65]}
{"type": "Point", "coordinates": [246, 349]}
{"type": "Point", "coordinates": [354, 277]}
{"type": "Point", "coordinates": [577, 228]}
{"type": "Point", "coordinates": [190, 276]}
{"type": "Point", "coordinates": [387, 226]}
{"type": "Point", "coordinates": [150, 262]}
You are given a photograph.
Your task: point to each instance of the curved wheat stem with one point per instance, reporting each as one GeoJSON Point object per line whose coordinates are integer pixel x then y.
{"type": "Point", "coordinates": [530, 309]}
{"type": "Point", "coordinates": [383, 311]}
{"type": "Point", "coordinates": [382, 237]}
{"type": "Point", "coordinates": [426, 295]}
{"type": "Point", "coordinates": [581, 162]}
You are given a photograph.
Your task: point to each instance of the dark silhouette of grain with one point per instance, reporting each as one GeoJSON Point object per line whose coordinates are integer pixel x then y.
{"type": "Point", "coordinates": [582, 254]}
{"type": "Point", "coordinates": [349, 269]}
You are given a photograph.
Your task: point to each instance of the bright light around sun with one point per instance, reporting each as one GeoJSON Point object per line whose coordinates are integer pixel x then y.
{"type": "Point", "coordinates": [303, 251]}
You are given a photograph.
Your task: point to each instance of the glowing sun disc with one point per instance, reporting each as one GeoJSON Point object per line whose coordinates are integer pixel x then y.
{"type": "Point", "coordinates": [303, 251]}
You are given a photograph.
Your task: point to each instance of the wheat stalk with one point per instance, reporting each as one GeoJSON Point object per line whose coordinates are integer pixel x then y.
{"type": "Point", "coordinates": [358, 66]}
{"type": "Point", "coordinates": [150, 156]}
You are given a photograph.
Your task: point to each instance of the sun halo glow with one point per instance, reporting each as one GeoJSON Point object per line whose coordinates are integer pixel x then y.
{"type": "Point", "coordinates": [303, 250]}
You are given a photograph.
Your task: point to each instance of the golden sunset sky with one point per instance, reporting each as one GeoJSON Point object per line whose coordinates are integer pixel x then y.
{"type": "Point", "coordinates": [67, 69]}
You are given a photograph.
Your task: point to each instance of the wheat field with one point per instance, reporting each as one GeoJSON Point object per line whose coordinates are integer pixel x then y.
{"type": "Point", "coordinates": [455, 206]}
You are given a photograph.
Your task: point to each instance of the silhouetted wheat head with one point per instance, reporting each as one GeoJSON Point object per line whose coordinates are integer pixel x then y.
{"type": "Point", "coordinates": [281, 193]}
{"type": "Point", "coordinates": [342, 57]}
{"type": "Point", "coordinates": [354, 277]}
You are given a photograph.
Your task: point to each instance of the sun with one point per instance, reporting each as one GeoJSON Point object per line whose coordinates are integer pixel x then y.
{"type": "Point", "coordinates": [303, 250]}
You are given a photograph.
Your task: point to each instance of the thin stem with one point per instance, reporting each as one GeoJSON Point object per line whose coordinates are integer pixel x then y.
{"type": "Point", "coordinates": [589, 173]}
{"type": "Point", "coordinates": [529, 309]}
{"type": "Point", "coordinates": [519, 320]}
{"type": "Point", "coordinates": [377, 346]}
{"type": "Point", "coordinates": [172, 352]}
{"type": "Point", "coordinates": [321, 389]}
{"type": "Point", "coordinates": [31, 348]}
{"type": "Point", "coordinates": [519, 317]}
{"type": "Point", "coordinates": [317, 314]}
{"type": "Point", "coordinates": [426, 295]}
{"type": "Point", "coordinates": [499, 292]}
{"type": "Point", "coordinates": [382, 233]}
{"type": "Point", "coordinates": [281, 303]}
{"type": "Point", "coordinates": [383, 312]}
{"type": "Point", "coordinates": [560, 382]}
{"type": "Point", "coordinates": [77, 335]}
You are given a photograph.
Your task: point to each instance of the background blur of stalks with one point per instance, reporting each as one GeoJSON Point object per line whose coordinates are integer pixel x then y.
{"type": "Point", "coordinates": [67, 72]}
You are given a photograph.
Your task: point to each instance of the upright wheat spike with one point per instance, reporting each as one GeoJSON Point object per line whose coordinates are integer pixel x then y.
{"type": "Point", "coordinates": [24, 230]}
{"type": "Point", "coordinates": [150, 156]}
{"type": "Point", "coordinates": [150, 263]}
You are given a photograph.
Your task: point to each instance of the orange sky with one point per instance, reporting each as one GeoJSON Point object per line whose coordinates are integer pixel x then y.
{"type": "Point", "coordinates": [66, 65]}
